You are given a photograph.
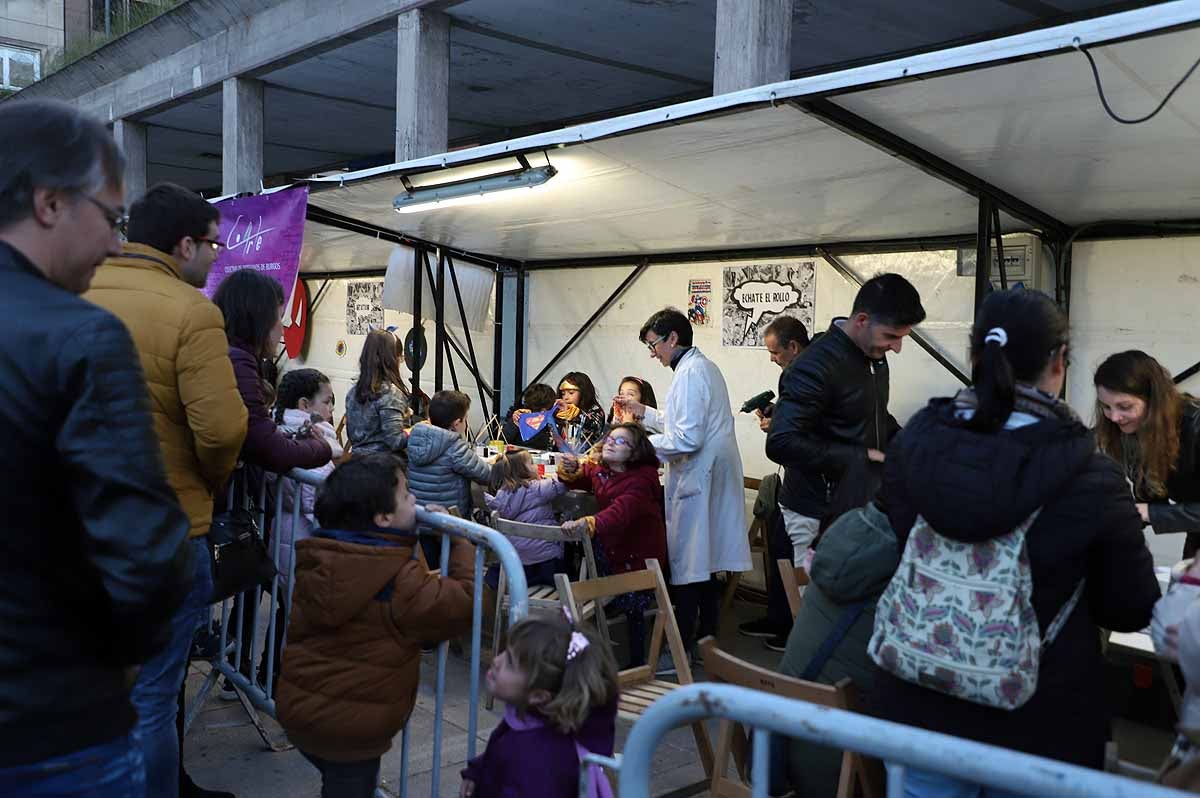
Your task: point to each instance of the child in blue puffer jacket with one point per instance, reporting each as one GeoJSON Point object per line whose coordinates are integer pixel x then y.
{"type": "Point", "coordinates": [442, 464]}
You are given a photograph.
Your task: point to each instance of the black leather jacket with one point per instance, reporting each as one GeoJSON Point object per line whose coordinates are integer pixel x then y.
{"type": "Point", "coordinates": [92, 554]}
{"type": "Point", "coordinates": [832, 407]}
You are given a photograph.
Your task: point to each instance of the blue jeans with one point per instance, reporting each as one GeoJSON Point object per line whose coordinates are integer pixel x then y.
{"type": "Point", "coordinates": [156, 692]}
{"type": "Point", "coordinates": [110, 770]}
{"type": "Point", "coordinates": [926, 784]}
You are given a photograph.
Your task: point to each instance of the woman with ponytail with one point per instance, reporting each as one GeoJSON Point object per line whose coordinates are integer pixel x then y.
{"type": "Point", "coordinates": [1150, 428]}
{"type": "Point", "coordinates": [975, 467]}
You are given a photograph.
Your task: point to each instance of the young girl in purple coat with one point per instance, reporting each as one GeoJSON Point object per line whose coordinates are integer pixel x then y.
{"type": "Point", "coordinates": [521, 495]}
{"type": "Point", "coordinates": [560, 687]}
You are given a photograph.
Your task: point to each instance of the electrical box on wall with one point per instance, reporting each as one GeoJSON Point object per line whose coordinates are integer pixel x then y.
{"type": "Point", "coordinates": [1024, 263]}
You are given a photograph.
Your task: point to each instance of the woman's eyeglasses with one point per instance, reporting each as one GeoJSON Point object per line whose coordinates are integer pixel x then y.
{"type": "Point", "coordinates": [618, 441]}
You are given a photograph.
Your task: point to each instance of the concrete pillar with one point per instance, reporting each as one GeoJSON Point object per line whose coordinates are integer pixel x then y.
{"type": "Point", "coordinates": [754, 44]}
{"type": "Point", "coordinates": [422, 84]}
{"type": "Point", "coordinates": [241, 136]}
{"type": "Point", "coordinates": [131, 140]}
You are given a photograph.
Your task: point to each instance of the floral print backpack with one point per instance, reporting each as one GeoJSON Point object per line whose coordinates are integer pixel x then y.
{"type": "Point", "coordinates": [957, 618]}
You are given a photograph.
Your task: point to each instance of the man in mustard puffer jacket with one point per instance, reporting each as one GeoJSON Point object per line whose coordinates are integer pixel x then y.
{"type": "Point", "coordinates": [199, 417]}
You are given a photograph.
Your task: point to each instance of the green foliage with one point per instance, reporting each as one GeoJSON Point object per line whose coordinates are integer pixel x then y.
{"type": "Point", "coordinates": [123, 21]}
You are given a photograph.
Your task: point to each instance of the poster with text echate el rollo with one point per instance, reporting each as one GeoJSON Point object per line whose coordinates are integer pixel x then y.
{"type": "Point", "coordinates": [754, 295]}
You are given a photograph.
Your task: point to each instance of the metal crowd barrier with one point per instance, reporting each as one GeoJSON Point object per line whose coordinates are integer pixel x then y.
{"type": "Point", "coordinates": [900, 747]}
{"type": "Point", "coordinates": [254, 696]}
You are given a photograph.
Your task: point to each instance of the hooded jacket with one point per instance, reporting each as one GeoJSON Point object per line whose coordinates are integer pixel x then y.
{"type": "Point", "coordinates": [442, 466]}
{"type": "Point", "coordinates": [973, 486]}
{"type": "Point", "coordinates": [294, 420]}
{"type": "Point", "coordinates": [630, 524]}
{"type": "Point", "coordinates": [852, 564]}
{"type": "Point", "coordinates": [199, 417]}
{"type": "Point", "coordinates": [531, 504]}
{"type": "Point", "coordinates": [531, 759]}
{"type": "Point", "coordinates": [833, 406]}
{"type": "Point", "coordinates": [362, 607]}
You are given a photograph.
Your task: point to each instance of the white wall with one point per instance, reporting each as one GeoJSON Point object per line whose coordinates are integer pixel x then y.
{"type": "Point", "coordinates": [329, 326]}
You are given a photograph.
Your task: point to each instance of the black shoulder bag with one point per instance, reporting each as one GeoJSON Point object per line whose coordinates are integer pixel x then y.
{"type": "Point", "coordinates": [239, 556]}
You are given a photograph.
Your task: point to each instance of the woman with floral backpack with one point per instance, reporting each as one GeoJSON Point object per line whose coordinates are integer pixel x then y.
{"type": "Point", "coordinates": [1002, 488]}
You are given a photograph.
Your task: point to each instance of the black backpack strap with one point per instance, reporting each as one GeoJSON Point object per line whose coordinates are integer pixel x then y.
{"type": "Point", "coordinates": [834, 638]}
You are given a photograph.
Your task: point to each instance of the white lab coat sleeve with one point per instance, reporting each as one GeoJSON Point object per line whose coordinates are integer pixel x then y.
{"type": "Point", "coordinates": [685, 430]}
{"type": "Point", "coordinates": [653, 420]}
{"type": "Point", "coordinates": [1170, 611]}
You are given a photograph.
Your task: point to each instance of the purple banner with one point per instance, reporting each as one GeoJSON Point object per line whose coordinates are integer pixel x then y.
{"type": "Point", "coordinates": [263, 233]}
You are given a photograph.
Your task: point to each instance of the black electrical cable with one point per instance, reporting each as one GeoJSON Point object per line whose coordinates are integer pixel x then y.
{"type": "Point", "coordinates": [1104, 100]}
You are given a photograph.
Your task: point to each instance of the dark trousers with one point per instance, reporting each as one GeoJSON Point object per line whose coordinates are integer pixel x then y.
{"type": "Point", "coordinates": [346, 779]}
{"type": "Point", "coordinates": [779, 547]}
{"type": "Point", "coordinates": [696, 600]}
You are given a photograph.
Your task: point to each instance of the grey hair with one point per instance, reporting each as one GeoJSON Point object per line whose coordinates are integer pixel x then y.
{"type": "Point", "coordinates": [48, 144]}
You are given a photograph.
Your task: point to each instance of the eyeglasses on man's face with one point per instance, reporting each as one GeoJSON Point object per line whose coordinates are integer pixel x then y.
{"type": "Point", "coordinates": [653, 345]}
{"type": "Point", "coordinates": [116, 217]}
{"type": "Point", "coordinates": [217, 246]}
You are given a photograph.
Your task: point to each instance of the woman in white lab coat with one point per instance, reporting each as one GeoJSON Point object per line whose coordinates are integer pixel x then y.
{"type": "Point", "coordinates": [705, 502]}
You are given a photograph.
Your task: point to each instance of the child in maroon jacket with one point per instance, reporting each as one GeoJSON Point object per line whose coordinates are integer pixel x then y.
{"type": "Point", "coordinates": [560, 687]}
{"type": "Point", "coordinates": [630, 526]}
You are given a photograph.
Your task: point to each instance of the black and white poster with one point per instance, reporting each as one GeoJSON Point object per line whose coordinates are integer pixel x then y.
{"type": "Point", "coordinates": [364, 307]}
{"type": "Point", "coordinates": [754, 295]}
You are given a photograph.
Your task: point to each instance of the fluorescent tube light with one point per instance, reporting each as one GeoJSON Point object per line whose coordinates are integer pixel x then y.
{"type": "Point", "coordinates": [470, 191]}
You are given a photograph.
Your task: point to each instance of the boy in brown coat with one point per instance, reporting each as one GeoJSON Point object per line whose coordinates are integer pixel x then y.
{"type": "Point", "coordinates": [361, 608]}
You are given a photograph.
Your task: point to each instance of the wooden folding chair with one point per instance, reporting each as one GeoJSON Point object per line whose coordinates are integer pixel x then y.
{"type": "Point", "coordinates": [639, 687]}
{"type": "Point", "coordinates": [543, 597]}
{"type": "Point", "coordinates": [757, 533]}
{"type": "Point", "coordinates": [793, 579]}
{"type": "Point", "coordinates": [733, 739]}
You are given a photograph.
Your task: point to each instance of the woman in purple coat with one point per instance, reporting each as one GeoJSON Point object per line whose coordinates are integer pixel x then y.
{"type": "Point", "coordinates": [252, 305]}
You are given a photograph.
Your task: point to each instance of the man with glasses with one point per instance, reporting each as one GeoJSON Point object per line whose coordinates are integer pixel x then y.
{"type": "Point", "coordinates": [94, 560]}
{"type": "Point", "coordinates": [199, 418]}
{"type": "Point", "coordinates": [705, 499]}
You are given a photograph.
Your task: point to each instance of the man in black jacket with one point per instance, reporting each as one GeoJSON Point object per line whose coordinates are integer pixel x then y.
{"type": "Point", "coordinates": [93, 560]}
{"type": "Point", "coordinates": [832, 407]}
{"type": "Point", "coordinates": [786, 339]}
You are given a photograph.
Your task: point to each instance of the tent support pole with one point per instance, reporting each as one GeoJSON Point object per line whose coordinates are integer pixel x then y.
{"type": "Point", "coordinates": [416, 331]}
{"type": "Point", "coordinates": [519, 336]}
{"type": "Point", "coordinates": [999, 247]}
{"type": "Point", "coordinates": [848, 122]}
{"type": "Point", "coordinates": [916, 335]}
{"type": "Point", "coordinates": [983, 253]}
{"type": "Point", "coordinates": [587, 325]}
{"type": "Point", "coordinates": [472, 364]}
{"type": "Point", "coordinates": [498, 346]}
{"type": "Point", "coordinates": [439, 333]}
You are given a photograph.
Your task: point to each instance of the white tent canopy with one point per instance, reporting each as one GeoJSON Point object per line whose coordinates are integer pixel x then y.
{"type": "Point", "coordinates": [755, 169]}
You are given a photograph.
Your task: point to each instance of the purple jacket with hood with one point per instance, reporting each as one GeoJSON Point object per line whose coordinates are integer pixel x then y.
{"type": "Point", "coordinates": [527, 757]}
{"type": "Point", "coordinates": [531, 504]}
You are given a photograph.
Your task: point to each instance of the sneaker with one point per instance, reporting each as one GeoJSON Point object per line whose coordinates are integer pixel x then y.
{"type": "Point", "coordinates": [760, 628]}
{"type": "Point", "coordinates": [776, 643]}
{"type": "Point", "coordinates": [666, 665]}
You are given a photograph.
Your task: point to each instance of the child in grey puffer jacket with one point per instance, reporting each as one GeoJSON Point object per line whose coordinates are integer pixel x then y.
{"type": "Point", "coordinates": [441, 463]}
